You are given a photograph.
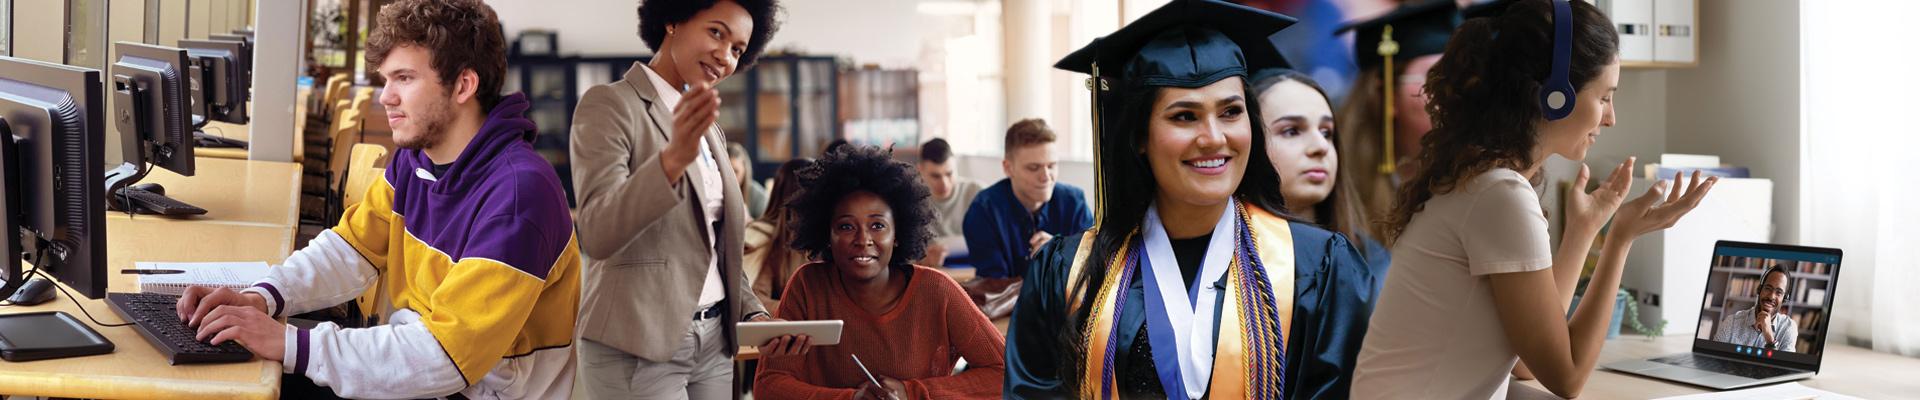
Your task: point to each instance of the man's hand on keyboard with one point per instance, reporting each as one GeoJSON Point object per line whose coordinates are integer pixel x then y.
{"type": "Point", "coordinates": [198, 301]}
{"type": "Point", "coordinates": [258, 332]}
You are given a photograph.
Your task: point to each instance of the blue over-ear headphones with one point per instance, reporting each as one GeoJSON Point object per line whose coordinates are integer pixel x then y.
{"type": "Point", "coordinates": [1556, 93]}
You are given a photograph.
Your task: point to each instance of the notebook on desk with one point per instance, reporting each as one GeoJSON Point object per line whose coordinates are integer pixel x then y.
{"type": "Point", "coordinates": [231, 275]}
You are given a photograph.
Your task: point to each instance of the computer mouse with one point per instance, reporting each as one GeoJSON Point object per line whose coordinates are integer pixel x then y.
{"type": "Point", "coordinates": [34, 292]}
{"type": "Point", "coordinates": [151, 187]}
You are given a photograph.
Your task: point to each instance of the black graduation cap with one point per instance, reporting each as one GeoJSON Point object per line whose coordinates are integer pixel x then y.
{"type": "Point", "coordinates": [1488, 9]}
{"type": "Point", "coordinates": [1185, 43]}
{"type": "Point", "coordinates": [1418, 29]}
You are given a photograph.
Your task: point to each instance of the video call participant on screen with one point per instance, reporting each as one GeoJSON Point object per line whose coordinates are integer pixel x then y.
{"type": "Point", "coordinates": [1766, 324]}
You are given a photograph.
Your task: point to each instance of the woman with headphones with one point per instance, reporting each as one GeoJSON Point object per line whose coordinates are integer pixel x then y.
{"type": "Point", "coordinates": [1474, 286]}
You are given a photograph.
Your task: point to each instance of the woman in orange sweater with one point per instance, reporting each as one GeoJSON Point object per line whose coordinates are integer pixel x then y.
{"type": "Point", "coordinates": [867, 216]}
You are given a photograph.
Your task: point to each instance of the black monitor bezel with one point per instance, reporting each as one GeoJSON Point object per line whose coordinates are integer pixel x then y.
{"type": "Point", "coordinates": [172, 149]}
{"type": "Point", "coordinates": [1795, 360]}
{"type": "Point", "coordinates": [76, 258]}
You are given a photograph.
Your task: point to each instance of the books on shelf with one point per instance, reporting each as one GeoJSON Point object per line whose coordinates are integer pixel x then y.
{"type": "Point", "coordinates": [1659, 171]}
{"type": "Point", "coordinates": [231, 275]}
{"type": "Point", "coordinates": [1686, 164]}
{"type": "Point", "coordinates": [1690, 160]}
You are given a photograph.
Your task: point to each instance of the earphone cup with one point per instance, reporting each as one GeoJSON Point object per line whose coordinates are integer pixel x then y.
{"type": "Point", "coordinates": [1557, 102]}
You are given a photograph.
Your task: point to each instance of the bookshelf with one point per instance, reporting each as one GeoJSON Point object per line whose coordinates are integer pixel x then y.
{"type": "Point", "coordinates": [1731, 285]}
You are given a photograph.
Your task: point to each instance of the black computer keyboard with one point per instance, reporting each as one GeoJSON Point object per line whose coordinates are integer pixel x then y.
{"type": "Point", "coordinates": [1735, 368]}
{"type": "Point", "coordinates": [203, 140]}
{"type": "Point", "coordinates": [154, 203]}
{"type": "Point", "coordinates": [154, 316]}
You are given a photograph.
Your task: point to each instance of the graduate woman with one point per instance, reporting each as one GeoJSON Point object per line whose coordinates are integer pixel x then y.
{"type": "Point", "coordinates": [1474, 286]}
{"type": "Point", "coordinates": [1192, 284]}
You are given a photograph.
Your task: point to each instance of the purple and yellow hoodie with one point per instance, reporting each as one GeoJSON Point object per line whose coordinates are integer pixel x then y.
{"type": "Point", "coordinates": [480, 265]}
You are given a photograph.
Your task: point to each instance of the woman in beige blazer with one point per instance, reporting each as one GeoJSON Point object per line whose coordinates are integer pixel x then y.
{"type": "Point", "coordinates": [660, 213]}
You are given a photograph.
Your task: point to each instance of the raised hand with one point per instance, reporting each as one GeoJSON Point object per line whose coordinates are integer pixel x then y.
{"type": "Point", "coordinates": [1590, 210]}
{"type": "Point", "coordinates": [1660, 208]}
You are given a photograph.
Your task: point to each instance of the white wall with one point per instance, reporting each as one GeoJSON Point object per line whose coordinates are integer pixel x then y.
{"type": "Point", "coordinates": [38, 30]}
{"type": "Point", "coordinates": [1743, 101]}
{"type": "Point", "coordinates": [867, 31]}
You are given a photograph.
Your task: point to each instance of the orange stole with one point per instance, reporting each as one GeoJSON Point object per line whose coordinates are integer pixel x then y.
{"type": "Point", "coordinates": [1273, 239]}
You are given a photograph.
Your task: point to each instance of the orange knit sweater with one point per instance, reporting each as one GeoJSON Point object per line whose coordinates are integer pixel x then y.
{"type": "Point", "coordinates": [918, 342]}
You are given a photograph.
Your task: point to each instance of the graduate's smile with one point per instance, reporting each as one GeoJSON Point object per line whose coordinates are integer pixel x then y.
{"type": "Point", "coordinates": [1208, 165]}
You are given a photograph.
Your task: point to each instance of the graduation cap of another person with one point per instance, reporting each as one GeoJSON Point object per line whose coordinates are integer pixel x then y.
{"type": "Point", "coordinates": [1407, 32]}
{"type": "Point", "coordinates": [1412, 30]}
{"type": "Point", "coordinates": [1184, 44]}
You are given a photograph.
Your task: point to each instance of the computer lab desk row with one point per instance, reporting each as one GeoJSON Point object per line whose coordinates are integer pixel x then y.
{"type": "Point", "coordinates": [252, 215]}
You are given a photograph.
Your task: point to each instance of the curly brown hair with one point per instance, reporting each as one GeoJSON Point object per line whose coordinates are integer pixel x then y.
{"type": "Point", "coordinates": [1482, 97]}
{"type": "Point", "coordinates": [461, 34]}
{"type": "Point", "coordinates": [856, 168]}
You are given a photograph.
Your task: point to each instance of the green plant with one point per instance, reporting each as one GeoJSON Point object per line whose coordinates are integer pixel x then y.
{"type": "Point", "coordinates": [1632, 317]}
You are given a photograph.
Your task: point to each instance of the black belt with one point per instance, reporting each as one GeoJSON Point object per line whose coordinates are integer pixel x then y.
{"type": "Point", "coordinates": [709, 313]}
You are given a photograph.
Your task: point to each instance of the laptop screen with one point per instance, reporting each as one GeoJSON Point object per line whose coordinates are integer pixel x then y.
{"type": "Point", "coordinates": [1768, 303]}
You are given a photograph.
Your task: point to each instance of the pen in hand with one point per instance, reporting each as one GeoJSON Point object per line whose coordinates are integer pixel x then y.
{"type": "Point", "coordinates": [151, 271]}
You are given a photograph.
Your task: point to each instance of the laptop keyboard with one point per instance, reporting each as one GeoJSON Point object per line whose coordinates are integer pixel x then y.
{"type": "Point", "coordinates": [1740, 369]}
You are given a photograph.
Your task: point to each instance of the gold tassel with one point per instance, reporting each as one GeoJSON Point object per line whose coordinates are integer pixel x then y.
{"type": "Point", "coordinates": [1096, 85]}
{"type": "Point", "coordinates": [1388, 48]}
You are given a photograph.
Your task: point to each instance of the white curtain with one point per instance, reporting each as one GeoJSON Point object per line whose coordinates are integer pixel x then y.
{"type": "Point", "coordinates": [1860, 147]}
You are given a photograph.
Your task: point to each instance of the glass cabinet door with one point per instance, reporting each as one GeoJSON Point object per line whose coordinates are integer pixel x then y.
{"type": "Point", "coordinates": [773, 108]}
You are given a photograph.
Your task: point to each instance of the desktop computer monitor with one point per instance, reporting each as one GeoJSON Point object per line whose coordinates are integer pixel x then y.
{"type": "Point", "coordinates": [9, 212]}
{"type": "Point", "coordinates": [246, 60]}
{"type": "Point", "coordinates": [54, 118]}
{"type": "Point", "coordinates": [222, 82]}
{"type": "Point", "coordinates": [150, 86]}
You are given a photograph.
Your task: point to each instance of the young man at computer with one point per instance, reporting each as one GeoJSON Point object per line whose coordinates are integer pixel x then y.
{"type": "Point", "coordinates": [468, 236]}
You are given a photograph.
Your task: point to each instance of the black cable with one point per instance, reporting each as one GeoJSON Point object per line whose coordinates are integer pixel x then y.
{"type": "Point", "coordinates": [77, 303]}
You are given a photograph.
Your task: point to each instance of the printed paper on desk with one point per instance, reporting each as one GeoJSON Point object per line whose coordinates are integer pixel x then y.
{"type": "Point", "coordinates": [231, 275]}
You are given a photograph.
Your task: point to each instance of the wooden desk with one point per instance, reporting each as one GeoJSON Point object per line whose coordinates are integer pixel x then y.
{"type": "Point", "coordinates": [1847, 370]}
{"type": "Point", "coordinates": [262, 193]}
{"type": "Point", "coordinates": [135, 369]}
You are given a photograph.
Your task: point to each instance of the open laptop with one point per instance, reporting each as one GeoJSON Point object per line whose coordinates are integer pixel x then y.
{"type": "Point", "coordinates": [1794, 284]}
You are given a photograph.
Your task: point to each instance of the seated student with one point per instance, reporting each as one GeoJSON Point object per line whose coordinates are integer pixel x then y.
{"type": "Point", "coordinates": [1302, 143]}
{"type": "Point", "coordinates": [951, 195]}
{"type": "Point", "coordinates": [1008, 221]}
{"type": "Point", "coordinates": [768, 261]}
{"type": "Point", "coordinates": [468, 235]}
{"type": "Point", "coordinates": [1766, 324]}
{"type": "Point", "coordinates": [867, 216]}
{"type": "Point", "coordinates": [743, 172]}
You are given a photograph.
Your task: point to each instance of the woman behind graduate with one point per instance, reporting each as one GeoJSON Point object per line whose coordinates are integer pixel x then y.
{"type": "Point", "coordinates": [1192, 284]}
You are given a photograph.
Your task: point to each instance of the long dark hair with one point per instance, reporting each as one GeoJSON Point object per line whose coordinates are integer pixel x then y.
{"type": "Point", "coordinates": [1341, 211]}
{"type": "Point", "coordinates": [781, 257]}
{"type": "Point", "coordinates": [1124, 204]}
{"type": "Point", "coordinates": [1482, 96]}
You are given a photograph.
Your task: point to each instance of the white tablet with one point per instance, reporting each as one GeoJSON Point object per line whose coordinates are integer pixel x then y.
{"type": "Point", "coordinates": [821, 333]}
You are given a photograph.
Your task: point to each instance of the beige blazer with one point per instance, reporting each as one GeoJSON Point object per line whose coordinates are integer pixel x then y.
{"type": "Point", "coordinates": [643, 238]}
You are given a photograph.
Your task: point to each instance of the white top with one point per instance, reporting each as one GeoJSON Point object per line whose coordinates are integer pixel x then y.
{"type": "Point", "coordinates": [712, 292]}
{"type": "Point", "coordinates": [1435, 332]}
